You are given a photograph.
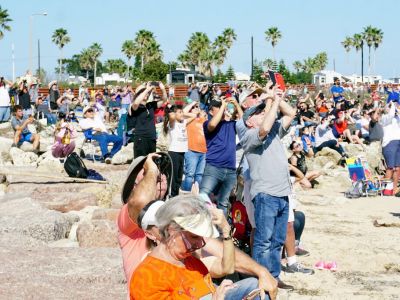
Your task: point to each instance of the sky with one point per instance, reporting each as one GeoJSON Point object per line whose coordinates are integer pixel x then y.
{"type": "Point", "coordinates": [307, 26]}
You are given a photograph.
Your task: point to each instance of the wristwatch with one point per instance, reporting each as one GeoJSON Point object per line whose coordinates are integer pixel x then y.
{"type": "Point", "coordinates": [231, 232]}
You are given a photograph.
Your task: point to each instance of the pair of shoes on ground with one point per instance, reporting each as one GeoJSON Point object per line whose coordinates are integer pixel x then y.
{"type": "Point", "coordinates": [297, 268]}
{"type": "Point", "coordinates": [322, 265]}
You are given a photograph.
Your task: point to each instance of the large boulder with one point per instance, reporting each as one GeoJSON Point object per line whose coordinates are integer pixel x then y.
{"type": "Point", "coordinates": [47, 162]}
{"type": "Point", "coordinates": [5, 159]}
{"type": "Point", "coordinates": [105, 214]}
{"type": "Point", "coordinates": [354, 150]}
{"type": "Point", "coordinates": [21, 158]}
{"type": "Point", "coordinates": [5, 144]}
{"type": "Point", "coordinates": [124, 156]}
{"type": "Point", "coordinates": [24, 216]}
{"type": "Point", "coordinates": [326, 156]}
{"type": "Point", "coordinates": [97, 233]}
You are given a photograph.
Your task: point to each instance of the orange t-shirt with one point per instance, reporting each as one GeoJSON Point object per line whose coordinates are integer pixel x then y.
{"type": "Point", "coordinates": [195, 133]}
{"type": "Point", "coordinates": [132, 241]}
{"type": "Point", "coordinates": [156, 279]}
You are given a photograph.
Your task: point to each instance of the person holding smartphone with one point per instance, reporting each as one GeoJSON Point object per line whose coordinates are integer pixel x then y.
{"type": "Point", "coordinates": [20, 123]}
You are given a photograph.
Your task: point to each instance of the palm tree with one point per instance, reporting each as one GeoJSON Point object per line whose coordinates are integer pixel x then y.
{"type": "Point", "coordinates": [347, 44]}
{"type": "Point", "coordinates": [146, 47]}
{"type": "Point", "coordinates": [222, 44]}
{"type": "Point", "coordinates": [368, 36]}
{"type": "Point", "coordinates": [298, 66]}
{"type": "Point", "coordinates": [358, 43]}
{"type": "Point", "coordinates": [60, 38]}
{"type": "Point", "coordinates": [115, 66]}
{"type": "Point", "coordinates": [95, 51]}
{"type": "Point", "coordinates": [273, 35]}
{"type": "Point", "coordinates": [85, 61]}
{"type": "Point", "coordinates": [229, 36]}
{"type": "Point", "coordinates": [321, 60]}
{"type": "Point", "coordinates": [377, 39]}
{"type": "Point", "coordinates": [128, 48]}
{"type": "Point", "coordinates": [4, 20]}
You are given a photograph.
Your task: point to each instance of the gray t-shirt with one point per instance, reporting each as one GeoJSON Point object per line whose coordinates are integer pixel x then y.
{"type": "Point", "coordinates": [16, 122]}
{"type": "Point", "coordinates": [269, 171]}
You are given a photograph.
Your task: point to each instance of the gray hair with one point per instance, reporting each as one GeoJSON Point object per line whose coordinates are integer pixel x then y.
{"type": "Point", "coordinates": [179, 206]}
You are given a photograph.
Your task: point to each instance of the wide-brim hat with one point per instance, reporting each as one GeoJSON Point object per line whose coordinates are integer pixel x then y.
{"type": "Point", "coordinates": [86, 109]}
{"type": "Point", "coordinates": [252, 110]}
{"type": "Point", "coordinates": [248, 92]}
{"type": "Point", "coordinates": [51, 83]}
{"type": "Point", "coordinates": [198, 224]}
{"type": "Point", "coordinates": [164, 164]}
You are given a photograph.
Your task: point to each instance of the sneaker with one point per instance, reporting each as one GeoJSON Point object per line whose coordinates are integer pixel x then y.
{"type": "Point", "coordinates": [298, 268]}
{"type": "Point", "coordinates": [301, 252]}
{"type": "Point", "coordinates": [107, 160]}
{"type": "Point", "coordinates": [285, 286]}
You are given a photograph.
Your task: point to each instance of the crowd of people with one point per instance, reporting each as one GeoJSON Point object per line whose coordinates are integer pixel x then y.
{"type": "Point", "coordinates": [219, 138]}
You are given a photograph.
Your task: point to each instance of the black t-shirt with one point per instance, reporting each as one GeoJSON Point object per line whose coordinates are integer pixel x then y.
{"type": "Point", "coordinates": [142, 120]}
{"type": "Point", "coordinates": [24, 100]}
{"type": "Point", "coordinates": [301, 164]}
{"type": "Point", "coordinates": [308, 114]}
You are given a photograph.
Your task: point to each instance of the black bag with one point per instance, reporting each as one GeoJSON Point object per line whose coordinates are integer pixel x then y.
{"type": "Point", "coordinates": [75, 167]}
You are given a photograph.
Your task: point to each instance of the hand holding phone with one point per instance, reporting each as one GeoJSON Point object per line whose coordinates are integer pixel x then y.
{"type": "Point", "coordinates": [253, 294]}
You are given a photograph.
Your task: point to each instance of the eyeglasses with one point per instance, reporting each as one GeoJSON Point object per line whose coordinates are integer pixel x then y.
{"type": "Point", "coordinates": [297, 146]}
{"type": "Point", "coordinates": [191, 244]}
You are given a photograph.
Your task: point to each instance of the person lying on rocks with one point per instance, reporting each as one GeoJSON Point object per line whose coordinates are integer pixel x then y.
{"type": "Point", "coordinates": [20, 123]}
{"type": "Point", "coordinates": [138, 233]}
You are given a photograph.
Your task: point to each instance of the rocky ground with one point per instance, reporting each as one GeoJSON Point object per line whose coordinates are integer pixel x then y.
{"type": "Point", "coordinates": [58, 238]}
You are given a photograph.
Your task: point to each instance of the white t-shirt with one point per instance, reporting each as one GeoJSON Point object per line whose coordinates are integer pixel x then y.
{"type": "Point", "coordinates": [4, 96]}
{"type": "Point", "coordinates": [363, 122]}
{"type": "Point", "coordinates": [88, 123]}
{"type": "Point", "coordinates": [178, 140]}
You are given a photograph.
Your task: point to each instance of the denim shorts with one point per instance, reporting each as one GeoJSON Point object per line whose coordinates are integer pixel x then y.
{"type": "Point", "coordinates": [391, 153]}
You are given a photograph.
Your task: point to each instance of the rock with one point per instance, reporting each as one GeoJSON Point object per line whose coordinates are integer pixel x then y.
{"type": "Point", "coordinates": [354, 150]}
{"type": "Point", "coordinates": [5, 159]}
{"type": "Point", "coordinates": [326, 155]}
{"type": "Point", "coordinates": [97, 233]}
{"type": "Point", "coordinates": [24, 216]}
{"type": "Point", "coordinates": [5, 144]}
{"type": "Point", "coordinates": [124, 156]}
{"type": "Point", "coordinates": [5, 126]}
{"type": "Point", "coordinates": [64, 243]}
{"type": "Point", "coordinates": [48, 162]}
{"type": "Point", "coordinates": [106, 214]}
{"type": "Point", "coordinates": [374, 156]}
{"type": "Point", "coordinates": [21, 158]}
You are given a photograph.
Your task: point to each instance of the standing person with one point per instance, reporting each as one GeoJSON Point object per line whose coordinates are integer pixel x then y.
{"type": "Point", "coordinates": [22, 134]}
{"type": "Point", "coordinates": [391, 145]}
{"type": "Point", "coordinates": [270, 180]}
{"type": "Point", "coordinates": [126, 98]}
{"type": "Point", "coordinates": [337, 91]}
{"type": "Point", "coordinates": [175, 126]}
{"type": "Point", "coordinates": [193, 92]}
{"type": "Point", "coordinates": [195, 157]}
{"type": "Point", "coordinates": [24, 99]}
{"type": "Point", "coordinates": [140, 118]}
{"type": "Point", "coordinates": [220, 169]}
{"type": "Point", "coordinates": [5, 102]}
{"type": "Point", "coordinates": [54, 95]}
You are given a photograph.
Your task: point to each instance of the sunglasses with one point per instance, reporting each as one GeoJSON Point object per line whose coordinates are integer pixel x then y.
{"type": "Point", "coordinates": [89, 111]}
{"type": "Point", "coordinates": [191, 244]}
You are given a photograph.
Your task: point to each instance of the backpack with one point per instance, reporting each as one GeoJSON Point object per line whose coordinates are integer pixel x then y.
{"type": "Point", "coordinates": [75, 167]}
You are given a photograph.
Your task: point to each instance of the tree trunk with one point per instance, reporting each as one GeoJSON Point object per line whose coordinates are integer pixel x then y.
{"type": "Point", "coordinates": [59, 66]}
{"type": "Point", "coordinates": [369, 60]}
{"type": "Point", "coordinates": [142, 65]}
{"type": "Point", "coordinates": [127, 73]}
{"type": "Point", "coordinates": [95, 71]}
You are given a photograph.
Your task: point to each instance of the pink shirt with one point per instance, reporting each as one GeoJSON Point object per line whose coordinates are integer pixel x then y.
{"type": "Point", "coordinates": [132, 241]}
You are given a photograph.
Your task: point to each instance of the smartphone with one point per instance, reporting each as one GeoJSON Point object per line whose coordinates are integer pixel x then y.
{"type": "Point", "coordinates": [271, 75]}
{"type": "Point", "coordinates": [253, 294]}
{"type": "Point", "coordinates": [155, 83]}
{"type": "Point", "coordinates": [277, 78]}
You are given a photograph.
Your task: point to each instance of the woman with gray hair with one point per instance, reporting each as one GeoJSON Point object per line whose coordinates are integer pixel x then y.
{"type": "Point", "coordinates": [173, 270]}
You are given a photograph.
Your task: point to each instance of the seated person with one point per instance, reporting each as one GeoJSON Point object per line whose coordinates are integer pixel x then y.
{"type": "Point", "coordinates": [304, 115]}
{"type": "Point", "coordinates": [298, 166]}
{"type": "Point", "coordinates": [324, 138]}
{"type": "Point", "coordinates": [63, 138]}
{"type": "Point", "coordinates": [308, 140]}
{"type": "Point", "coordinates": [43, 110]}
{"type": "Point", "coordinates": [362, 125]}
{"type": "Point", "coordinates": [63, 104]}
{"type": "Point", "coordinates": [114, 107]}
{"type": "Point", "coordinates": [140, 209]}
{"type": "Point", "coordinates": [341, 131]}
{"type": "Point", "coordinates": [173, 268]}
{"type": "Point", "coordinates": [19, 123]}
{"type": "Point", "coordinates": [97, 131]}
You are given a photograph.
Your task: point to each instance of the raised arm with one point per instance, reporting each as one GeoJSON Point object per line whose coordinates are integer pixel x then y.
{"type": "Point", "coordinates": [144, 192]}
{"type": "Point", "coordinates": [269, 118]}
{"type": "Point", "coordinates": [217, 117]}
{"type": "Point", "coordinates": [288, 112]}
{"type": "Point", "coordinates": [135, 104]}
{"type": "Point", "coordinates": [238, 107]}
{"type": "Point", "coordinates": [164, 96]}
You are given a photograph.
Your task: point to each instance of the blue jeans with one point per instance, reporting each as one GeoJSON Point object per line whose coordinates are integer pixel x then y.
{"type": "Point", "coordinates": [194, 168]}
{"type": "Point", "coordinates": [219, 181]}
{"type": "Point", "coordinates": [271, 216]}
{"type": "Point", "coordinates": [4, 113]}
{"type": "Point", "coordinates": [105, 138]}
{"type": "Point", "coordinates": [51, 118]}
{"type": "Point", "coordinates": [242, 289]}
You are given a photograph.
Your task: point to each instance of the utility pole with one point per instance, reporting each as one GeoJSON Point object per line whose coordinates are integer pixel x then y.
{"type": "Point", "coordinates": [362, 61]}
{"type": "Point", "coordinates": [13, 62]}
{"type": "Point", "coordinates": [38, 45]}
{"type": "Point", "coordinates": [334, 65]}
{"type": "Point", "coordinates": [252, 60]}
